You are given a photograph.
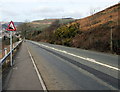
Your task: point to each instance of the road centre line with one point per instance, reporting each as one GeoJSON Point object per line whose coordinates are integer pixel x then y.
{"type": "Point", "coordinates": [87, 59]}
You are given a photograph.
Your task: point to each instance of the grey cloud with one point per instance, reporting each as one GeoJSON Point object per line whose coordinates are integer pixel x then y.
{"type": "Point", "coordinates": [7, 12]}
{"type": "Point", "coordinates": [47, 10]}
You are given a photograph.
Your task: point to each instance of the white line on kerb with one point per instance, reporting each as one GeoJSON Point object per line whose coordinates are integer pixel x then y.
{"type": "Point", "coordinates": [87, 59]}
{"type": "Point", "coordinates": [38, 74]}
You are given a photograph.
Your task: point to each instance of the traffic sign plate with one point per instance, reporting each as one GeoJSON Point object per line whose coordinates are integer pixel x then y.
{"type": "Point", "coordinates": [11, 27]}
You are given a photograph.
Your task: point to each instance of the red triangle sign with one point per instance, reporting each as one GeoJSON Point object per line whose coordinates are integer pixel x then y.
{"type": "Point", "coordinates": [11, 27]}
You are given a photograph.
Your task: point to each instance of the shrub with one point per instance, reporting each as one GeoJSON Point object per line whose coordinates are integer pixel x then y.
{"type": "Point", "coordinates": [67, 31]}
{"type": "Point", "coordinates": [66, 42]}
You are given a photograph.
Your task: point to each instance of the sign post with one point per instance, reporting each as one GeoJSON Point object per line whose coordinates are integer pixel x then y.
{"type": "Point", "coordinates": [11, 63]}
{"type": "Point", "coordinates": [11, 27]}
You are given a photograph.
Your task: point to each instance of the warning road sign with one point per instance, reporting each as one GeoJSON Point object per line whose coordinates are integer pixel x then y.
{"type": "Point", "coordinates": [11, 27]}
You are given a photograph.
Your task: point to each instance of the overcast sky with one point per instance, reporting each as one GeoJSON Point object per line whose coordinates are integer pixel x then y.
{"type": "Point", "coordinates": [22, 10]}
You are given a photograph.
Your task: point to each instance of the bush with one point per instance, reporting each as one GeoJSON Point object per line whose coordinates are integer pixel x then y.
{"type": "Point", "coordinates": [66, 42]}
{"type": "Point", "coordinates": [67, 31]}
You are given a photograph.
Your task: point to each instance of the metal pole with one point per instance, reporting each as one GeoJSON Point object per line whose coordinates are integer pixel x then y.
{"type": "Point", "coordinates": [11, 62]}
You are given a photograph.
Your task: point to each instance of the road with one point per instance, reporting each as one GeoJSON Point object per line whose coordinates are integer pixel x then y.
{"type": "Point", "coordinates": [65, 68]}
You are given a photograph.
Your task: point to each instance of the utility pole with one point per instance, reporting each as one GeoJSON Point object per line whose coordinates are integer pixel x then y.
{"type": "Point", "coordinates": [111, 38]}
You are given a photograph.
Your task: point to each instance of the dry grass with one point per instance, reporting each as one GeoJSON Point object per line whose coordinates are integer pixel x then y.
{"type": "Point", "coordinates": [109, 14]}
{"type": "Point", "coordinates": [95, 30]}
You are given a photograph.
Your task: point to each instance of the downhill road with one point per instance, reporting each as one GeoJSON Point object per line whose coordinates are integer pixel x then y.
{"type": "Point", "coordinates": [65, 68]}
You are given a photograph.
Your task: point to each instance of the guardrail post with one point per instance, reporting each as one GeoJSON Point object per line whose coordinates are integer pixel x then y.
{"type": "Point", "coordinates": [13, 45]}
{"type": "Point", "coordinates": [5, 51]}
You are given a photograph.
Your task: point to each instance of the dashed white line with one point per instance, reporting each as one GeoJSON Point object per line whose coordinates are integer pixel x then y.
{"type": "Point", "coordinates": [87, 59]}
{"type": "Point", "coordinates": [38, 74]}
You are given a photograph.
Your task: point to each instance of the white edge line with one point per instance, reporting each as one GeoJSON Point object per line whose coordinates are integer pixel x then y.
{"type": "Point", "coordinates": [38, 74]}
{"type": "Point", "coordinates": [88, 59]}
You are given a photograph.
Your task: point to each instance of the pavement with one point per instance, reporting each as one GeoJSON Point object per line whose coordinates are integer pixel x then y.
{"type": "Point", "coordinates": [23, 75]}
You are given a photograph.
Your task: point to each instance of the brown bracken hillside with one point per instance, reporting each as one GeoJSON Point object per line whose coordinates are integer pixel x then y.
{"type": "Point", "coordinates": [96, 30]}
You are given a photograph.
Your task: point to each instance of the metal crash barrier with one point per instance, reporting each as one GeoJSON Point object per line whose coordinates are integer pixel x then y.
{"type": "Point", "coordinates": [3, 60]}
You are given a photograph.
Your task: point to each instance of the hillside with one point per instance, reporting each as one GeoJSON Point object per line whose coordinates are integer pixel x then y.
{"type": "Point", "coordinates": [49, 21]}
{"type": "Point", "coordinates": [5, 25]}
{"type": "Point", "coordinates": [95, 32]}
{"type": "Point", "coordinates": [42, 24]}
{"type": "Point", "coordinates": [100, 18]}
{"type": "Point", "coordinates": [34, 28]}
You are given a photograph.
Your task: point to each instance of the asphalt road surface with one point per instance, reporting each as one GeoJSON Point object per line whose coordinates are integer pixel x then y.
{"type": "Point", "coordinates": [65, 68]}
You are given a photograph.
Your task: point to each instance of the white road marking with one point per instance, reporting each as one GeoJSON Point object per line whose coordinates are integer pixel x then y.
{"type": "Point", "coordinates": [38, 74]}
{"type": "Point", "coordinates": [87, 59]}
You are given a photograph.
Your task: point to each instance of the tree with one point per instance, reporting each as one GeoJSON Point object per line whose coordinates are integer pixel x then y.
{"type": "Point", "coordinates": [24, 29]}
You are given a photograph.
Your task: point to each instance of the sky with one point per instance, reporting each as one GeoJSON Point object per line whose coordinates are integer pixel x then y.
{"type": "Point", "coordinates": [30, 10]}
